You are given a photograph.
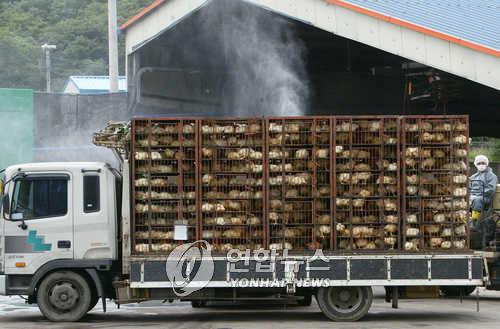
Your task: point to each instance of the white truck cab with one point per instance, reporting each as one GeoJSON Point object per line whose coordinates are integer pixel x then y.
{"type": "Point", "coordinates": [56, 215]}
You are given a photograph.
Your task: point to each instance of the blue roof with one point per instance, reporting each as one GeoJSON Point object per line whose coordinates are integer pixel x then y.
{"type": "Point", "coordinates": [96, 84]}
{"type": "Point", "coordinates": [476, 21]}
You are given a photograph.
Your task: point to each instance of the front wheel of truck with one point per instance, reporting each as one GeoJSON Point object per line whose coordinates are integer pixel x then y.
{"type": "Point", "coordinates": [344, 303]}
{"type": "Point", "coordinates": [64, 296]}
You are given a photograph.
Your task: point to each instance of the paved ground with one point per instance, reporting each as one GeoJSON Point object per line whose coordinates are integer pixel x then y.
{"type": "Point", "coordinates": [428, 313]}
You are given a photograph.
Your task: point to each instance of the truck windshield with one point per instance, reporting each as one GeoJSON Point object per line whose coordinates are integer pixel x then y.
{"type": "Point", "coordinates": [38, 198]}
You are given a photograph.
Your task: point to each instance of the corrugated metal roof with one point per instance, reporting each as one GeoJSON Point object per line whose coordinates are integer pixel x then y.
{"type": "Point", "coordinates": [96, 83]}
{"type": "Point", "coordinates": [476, 21]}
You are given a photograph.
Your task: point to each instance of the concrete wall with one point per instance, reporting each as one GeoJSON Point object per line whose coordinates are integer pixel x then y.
{"type": "Point", "coordinates": [16, 126]}
{"type": "Point", "coordinates": [64, 125]}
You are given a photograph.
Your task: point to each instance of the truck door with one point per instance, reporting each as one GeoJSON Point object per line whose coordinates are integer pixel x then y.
{"type": "Point", "coordinates": [40, 228]}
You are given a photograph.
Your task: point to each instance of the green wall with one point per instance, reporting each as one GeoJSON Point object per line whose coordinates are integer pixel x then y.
{"type": "Point", "coordinates": [16, 126]}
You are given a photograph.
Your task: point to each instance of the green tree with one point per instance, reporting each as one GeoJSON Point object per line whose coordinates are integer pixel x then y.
{"type": "Point", "coordinates": [78, 28]}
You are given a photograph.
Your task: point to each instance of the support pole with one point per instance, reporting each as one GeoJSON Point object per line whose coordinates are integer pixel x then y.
{"type": "Point", "coordinates": [48, 65]}
{"type": "Point", "coordinates": [113, 47]}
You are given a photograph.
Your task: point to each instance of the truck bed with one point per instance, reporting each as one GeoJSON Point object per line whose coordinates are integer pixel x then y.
{"type": "Point", "coordinates": [382, 269]}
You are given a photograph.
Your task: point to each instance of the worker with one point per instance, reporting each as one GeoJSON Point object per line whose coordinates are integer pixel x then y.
{"type": "Point", "coordinates": [482, 186]}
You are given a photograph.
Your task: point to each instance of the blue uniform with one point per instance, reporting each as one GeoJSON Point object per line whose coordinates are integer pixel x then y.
{"type": "Point", "coordinates": [482, 188]}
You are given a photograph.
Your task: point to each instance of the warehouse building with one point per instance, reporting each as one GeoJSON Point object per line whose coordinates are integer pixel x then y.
{"type": "Point", "coordinates": [262, 57]}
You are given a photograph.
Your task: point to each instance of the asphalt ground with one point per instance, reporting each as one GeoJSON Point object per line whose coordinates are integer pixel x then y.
{"type": "Point", "coordinates": [414, 313]}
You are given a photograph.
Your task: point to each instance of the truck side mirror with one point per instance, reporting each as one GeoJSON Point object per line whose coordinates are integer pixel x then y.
{"type": "Point", "coordinates": [6, 206]}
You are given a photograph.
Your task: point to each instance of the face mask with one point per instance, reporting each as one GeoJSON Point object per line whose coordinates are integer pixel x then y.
{"type": "Point", "coordinates": [481, 167]}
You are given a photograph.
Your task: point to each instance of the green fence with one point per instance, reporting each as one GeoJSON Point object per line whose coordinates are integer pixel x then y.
{"type": "Point", "coordinates": [16, 126]}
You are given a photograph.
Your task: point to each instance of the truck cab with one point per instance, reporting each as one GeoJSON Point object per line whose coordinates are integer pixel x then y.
{"type": "Point", "coordinates": [57, 216]}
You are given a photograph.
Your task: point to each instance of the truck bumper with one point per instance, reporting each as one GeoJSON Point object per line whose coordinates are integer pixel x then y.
{"type": "Point", "coordinates": [3, 284]}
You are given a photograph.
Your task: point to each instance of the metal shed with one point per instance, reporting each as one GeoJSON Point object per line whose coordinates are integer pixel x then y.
{"type": "Point", "coordinates": [316, 57]}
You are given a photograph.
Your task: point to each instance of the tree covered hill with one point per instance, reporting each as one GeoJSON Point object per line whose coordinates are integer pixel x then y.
{"type": "Point", "coordinates": [79, 28]}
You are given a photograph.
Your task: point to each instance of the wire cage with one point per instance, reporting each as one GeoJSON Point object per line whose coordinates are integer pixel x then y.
{"type": "Point", "coordinates": [299, 179]}
{"type": "Point", "coordinates": [165, 183]}
{"type": "Point", "coordinates": [233, 189]}
{"type": "Point", "coordinates": [435, 194]}
{"type": "Point", "coordinates": [336, 183]}
{"type": "Point", "coordinates": [367, 191]}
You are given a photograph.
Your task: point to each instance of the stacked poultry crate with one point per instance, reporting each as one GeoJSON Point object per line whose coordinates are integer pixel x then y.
{"type": "Point", "coordinates": [233, 189]}
{"type": "Point", "coordinates": [164, 183]}
{"type": "Point", "coordinates": [435, 169]}
{"type": "Point", "coordinates": [366, 168]}
{"type": "Point", "coordinates": [352, 183]}
{"type": "Point", "coordinates": [299, 195]}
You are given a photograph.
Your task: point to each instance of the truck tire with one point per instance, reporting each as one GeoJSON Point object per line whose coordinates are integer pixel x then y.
{"type": "Point", "coordinates": [93, 302]}
{"type": "Point", "coordinates": [64, 296]}
{"type": "Point", "coordinates": [344, 303]}
{"type": "Point", "coordinates": [456, 291]}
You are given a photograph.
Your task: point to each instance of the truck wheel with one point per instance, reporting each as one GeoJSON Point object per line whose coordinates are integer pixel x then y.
{"type": "Point", "coordinates": [345, 303]}
{"type": "Point", "coordinates": [64, 296]}
{"type": "Point", "coordinates": [456, 291]}
{"type": "Point", "coordinates": [93, 302]}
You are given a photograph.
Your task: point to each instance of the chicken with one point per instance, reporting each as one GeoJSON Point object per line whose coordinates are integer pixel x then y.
{"type": "Point", "coordinates": [461, 230]}
{"type": "Point", "coordinates": [436, 242]}
{"type": "Point", "coordinates": [302, 154]}
{"type": "Point", "coordinates": [459, 244]}
{"type": "Point", "coordinates": [322, 154]}
{"type": "Point", "coordinates": [386, 180]}
{"type": "Point", "coordinates": [432, 229]}
{"type": "Point", "coordinates": [447, 232]}
{"type": "Point", "coordinates": [232, 234]}
{"type": "Point", "coordinates": [460, 139]}
{"type": "Point", "coordinates": [358, 203]}
{"type": "Point", "coordinates": [411, 190]}
{"type": "Point", "coordinates": [446, 245]}
{"type": "Point", "coordinates": [280, 246]}
{"type": "Point", "coordinates": [323, 231]}
{"type": "Point", "coordinates": [438, 154]}
{"type": "Point", "coordinates": [346, 127]}
{"type": "Point", "coordinates": [188, 129]}
{"type": "Point", "coordinates": [412, 179]}
{"type": "Point", "coordinates": [410, 127]}
{"type": "Point", "coordinates": [460, 191]}
{"type": "Point", "coordinates": [412, 232]}
{"type": "Point", "coordinates": [362, 167]}
{"type": "Point", "coordinates": [324, 219]}
{"type": "Point", "coordinates": [342, 202]}
{"type": "Point", "coordinates": [361, 243]}
{"type": "Point", "coordinates": [412, 152]}
{"type": "Point", "coordinates": [390, 228]}
{"type": "Point", "coordinates": [390, 241]}
{"type": "Point", "coordinates": [442, 127]}
{"type": "Point", "coordinates": [206, 129]}
{"type": "Point", "coordinates": [439, 218]}
{"type": "Point", "coordinates": [460, 179]}
{"type": "Point", "coordinates": [389, 205]}
{"type": "Point", "coordinates": [275, 128]}
{"type": "Point", "coordinates": [411, 163]}
{"type": "Point", "coordinates": [428, 163]}
{"type": "Point", "coordinates": [391, 219]}
{"type": "Point", "coordinates": [427, 137]}
{"type": "Point", "coordinates": [411, 245]}
{"type": "Point", "coordinates": [460, 153]}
